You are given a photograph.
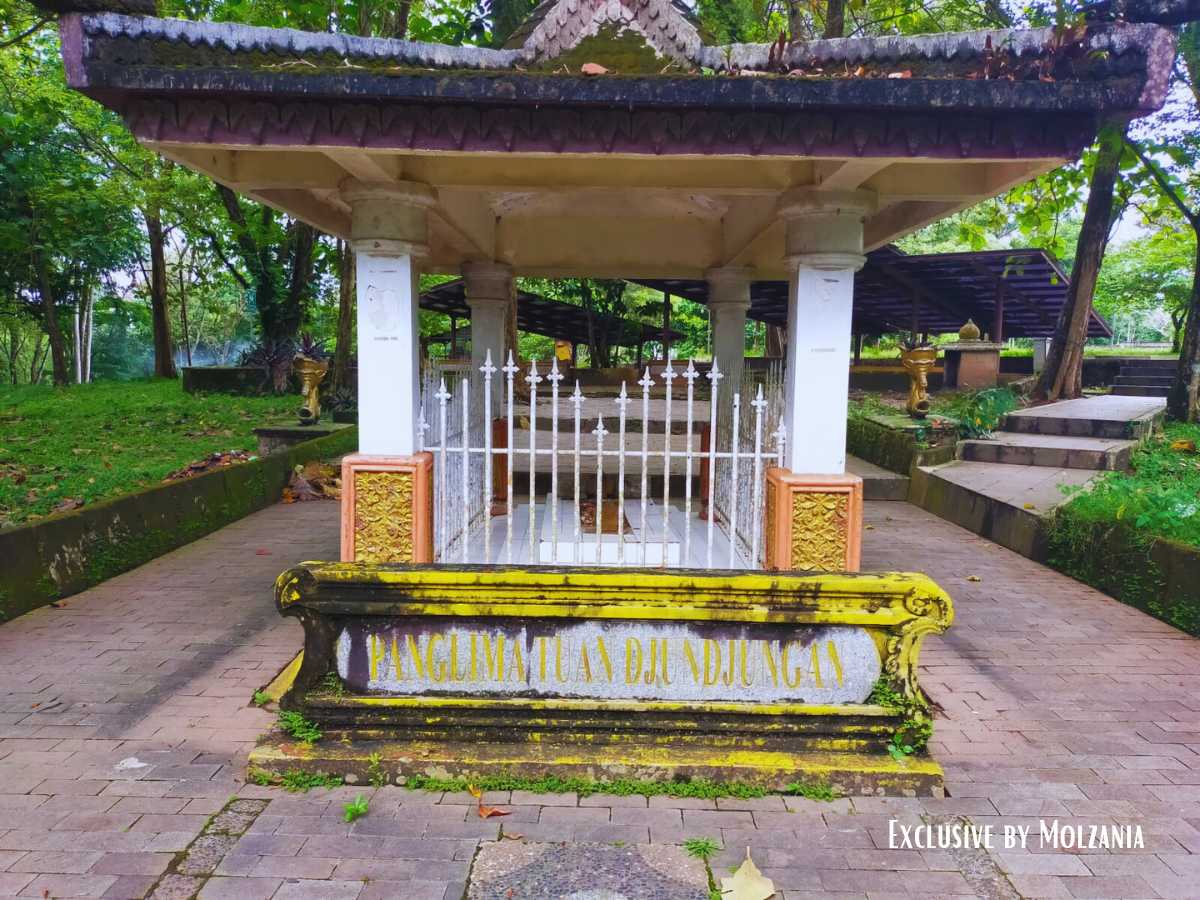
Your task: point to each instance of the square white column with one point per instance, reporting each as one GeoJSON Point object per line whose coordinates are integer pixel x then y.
{"type": "Point", "coordinates": [820, 306]}
{"type": "Point", "coordinates": [825, 250]}
{"type": "Point", "coordinates": [388, 362]}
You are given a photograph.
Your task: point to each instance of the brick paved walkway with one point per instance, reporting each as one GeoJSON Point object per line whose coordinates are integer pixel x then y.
{"type": "Point", "coordinates": [124, 725]}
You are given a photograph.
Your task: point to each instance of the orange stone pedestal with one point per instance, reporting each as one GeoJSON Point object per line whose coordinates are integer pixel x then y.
{"type": "Point", "coordinates": [387, 509]}
{"type": "Point", "coordinates": [814, 522]}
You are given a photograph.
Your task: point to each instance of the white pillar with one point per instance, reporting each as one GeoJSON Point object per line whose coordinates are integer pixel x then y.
{"type": "Point", "coordinates": [728, 303]}
{"type": "Point", "coordinates": [389, 233]}
{"type": "Point", "coordinates": [489, 291]}
{"type": "Point", "coordinates": [825, 249]}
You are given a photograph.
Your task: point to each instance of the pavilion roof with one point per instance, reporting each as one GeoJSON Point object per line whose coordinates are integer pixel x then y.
{"type": "Point", "coordinates": [540, 315]}
{"type": "Point", "coordinates": [949, 288]}
{"type": "Point", "coordinates": [1056, 86]}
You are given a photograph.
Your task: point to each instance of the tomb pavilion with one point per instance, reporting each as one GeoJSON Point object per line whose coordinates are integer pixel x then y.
{"type": "Point", "coordinates": [609, 140]}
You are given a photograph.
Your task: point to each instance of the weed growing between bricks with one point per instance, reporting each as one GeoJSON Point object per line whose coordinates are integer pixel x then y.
{"type": "Point", "coordinates": [193, 866]}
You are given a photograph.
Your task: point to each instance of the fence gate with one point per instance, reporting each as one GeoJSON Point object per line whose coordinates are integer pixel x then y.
{"type": "Point", "coordinates": [670, 474]}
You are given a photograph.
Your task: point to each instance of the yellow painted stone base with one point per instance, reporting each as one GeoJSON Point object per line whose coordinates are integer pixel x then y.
{"type": "Point", "coordinates": [352, 757]}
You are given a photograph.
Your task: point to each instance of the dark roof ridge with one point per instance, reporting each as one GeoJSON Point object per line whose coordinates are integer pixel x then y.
{"type": "Point", "coordinates": [1116, 38]}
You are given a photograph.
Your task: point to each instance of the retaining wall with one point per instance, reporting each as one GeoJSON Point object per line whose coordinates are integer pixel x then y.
{"type": "Point", "coordinates": [67, 553]}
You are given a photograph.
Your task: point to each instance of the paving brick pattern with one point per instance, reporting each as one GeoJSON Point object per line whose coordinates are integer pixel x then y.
{"type": "Point", "coordinates": [124, 725]}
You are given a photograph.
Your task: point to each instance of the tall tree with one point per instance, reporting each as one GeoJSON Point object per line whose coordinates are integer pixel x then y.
{"type": "Point", "coordinates": [1063, 375]}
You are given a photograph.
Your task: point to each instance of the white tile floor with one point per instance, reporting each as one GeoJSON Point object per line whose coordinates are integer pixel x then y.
{"type": "Point", "coordinates": [510, 540]}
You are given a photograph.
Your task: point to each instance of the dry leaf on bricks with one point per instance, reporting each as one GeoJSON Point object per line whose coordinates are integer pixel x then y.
{"type": "Point", "coordinates": [747, 883]}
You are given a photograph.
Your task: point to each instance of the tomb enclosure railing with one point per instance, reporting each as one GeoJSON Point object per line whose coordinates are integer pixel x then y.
{"type": "Point", "coordinates": [669, 472]}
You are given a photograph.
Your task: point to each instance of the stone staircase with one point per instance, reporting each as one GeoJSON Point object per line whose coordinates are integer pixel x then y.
{"type": "Point", "coordinates": [1144, 378]}
{"type": "Point", "coordinates": [1003, 487]}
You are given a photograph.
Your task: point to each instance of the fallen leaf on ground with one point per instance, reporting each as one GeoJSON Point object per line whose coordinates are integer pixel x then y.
{"type": "Point", "coordinates": [747, 883]}
{"type": "Point", "coordinates": [1183, 446]}
{"type": "Point", "coordinates": [67, 505]}
{"type": "Point", "coordinates": [262, 552]}
{"type": "Point", "coordinates": [593, 69]}
{"type": "Point", "coordinates": [513, 836]}
{"type": "Point", "coordinates": [218, 460]}
{"type": "Point", "coordinates": [974, 578]}
{"type": "Point", "coordinates": [905, 74]}
{"type": "Point", "coordinates": [489, 812]}
{"type": "Point", "coordinates": [299, 489]}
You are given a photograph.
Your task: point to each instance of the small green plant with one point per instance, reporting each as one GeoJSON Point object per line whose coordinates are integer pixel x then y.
{"type": "Point", "coordinates": [300, 728]}
{"type": "Point", "coordinates": [332, 683]}
{"type": "Point", "coordinates": [261, 698]}
{"type": "Point", "coordinates": [302, 782]}
{"type": "Point", "coordinates": [914, 731]}
{"type": "Point", "coordinates": [260, 777]}
{"type": "Point", "coordinates": [355, 809]}
{"type": "Point", "coordinates": [823, 792]}
{"type": "Point", "coordinates": [704, 848]}
{"type": "Point", "coordinates": [375, 771]}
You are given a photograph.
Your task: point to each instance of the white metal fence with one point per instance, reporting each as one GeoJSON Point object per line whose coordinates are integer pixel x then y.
{"type": "Point", "coordinates": [605, 487]}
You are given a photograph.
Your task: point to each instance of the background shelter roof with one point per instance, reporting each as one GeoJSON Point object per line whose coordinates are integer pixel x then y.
{"type": "Point", "coordinates": [540, 315]}
{"type": "Point", "coordinates": [949, 288]}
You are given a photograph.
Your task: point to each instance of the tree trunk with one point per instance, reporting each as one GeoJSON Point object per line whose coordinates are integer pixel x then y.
{"type": "Point", "coordinates": [1178, 317]}
{"type": "Point", "coordinates": [795, 20]}
{"type": "Point", "coordinates": [164, 355]}
{"type": "Point", "coordinates": [58, 350]}
{"type": "Point", "coordinates": [1181, 402]}
{"type": "Point", "coordinates": [37, 362]}
{"type": "Point", "coordinates": [1062, 377]}
{"type": "Point", "coordinates": [402, 19]}
{"type": "Point", "coordinates": [835, 19]}
{"type": "Point", "coordinates": [347, 290]}
{"type": "Point", "coordinates": [304, 242]}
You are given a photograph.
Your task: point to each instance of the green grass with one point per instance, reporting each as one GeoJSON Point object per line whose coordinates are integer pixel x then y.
{"type": "Point", "coordinates": [1158, 497]}
{"type": "Point", "coordinates": [98, 441]}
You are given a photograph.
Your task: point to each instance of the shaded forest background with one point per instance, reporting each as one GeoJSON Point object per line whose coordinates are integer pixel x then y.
{"type": "Point", "coordinates": [115, 264]}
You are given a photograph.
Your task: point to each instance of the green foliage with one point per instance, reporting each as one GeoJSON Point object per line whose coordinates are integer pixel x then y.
{"type": "Point", "coordinates": [914, 731]}
{"type": "Point", "coordinates": [261, 698]}
{"type": "Point", "coordinates": [355, 809]}
{"type": "Point", "coordinates": [979, 413]}
{"type": "Point", "coordinates": [293, 781]}
{"type": "Point", "coordinates": [704, 848]}
{"type": "Point", "coordinates": [823, 792]}
{"type": "Point", "coordinates": [300, 728]}
{"type": "Point", "coordinates": [375, 772]}
{"type": "Point", "coordinates": [699, 788]}
{"type": "Point", "coordinates": [94, 442]}
{"type": "Point", "coordinates": [297, 782]}
{"type": "Point", "coordinates": [332, 684]}
{"type": "Point", "coordinates": [1158, 497]}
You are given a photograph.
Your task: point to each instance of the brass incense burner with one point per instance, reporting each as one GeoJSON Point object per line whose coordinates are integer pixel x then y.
{"type": "Point", "coordinates": [312, 373]}
{"type": "Point", "coordinates": [917, 362]}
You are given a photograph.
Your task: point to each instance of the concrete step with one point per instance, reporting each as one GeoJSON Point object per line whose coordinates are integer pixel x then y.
{"type": "Point", "coordinates": [1050, 450]}
{"type": "Point", "coordinates": [1139, 390]}
{"type": "Point", "coordinates": [1154, 371]}
{"type": "Point", "coordinates": [1123, 417]}
{"type": "Point", "coordinates": [1149, 365]}
{"type": "Point", "coordinates": [1003, 503]}
{"type": "Point", "coordinates": [878, 483]}
{"type": "Point", "coordinates": [1144, 380]}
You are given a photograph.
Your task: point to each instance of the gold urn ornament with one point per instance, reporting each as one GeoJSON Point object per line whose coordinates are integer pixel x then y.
{"type": "Point", "coordinates": [969, 332]}
{"type": "Point", "coordinates": [312, 373]}
{"type": "Point", "coordinates": [917, 362]}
